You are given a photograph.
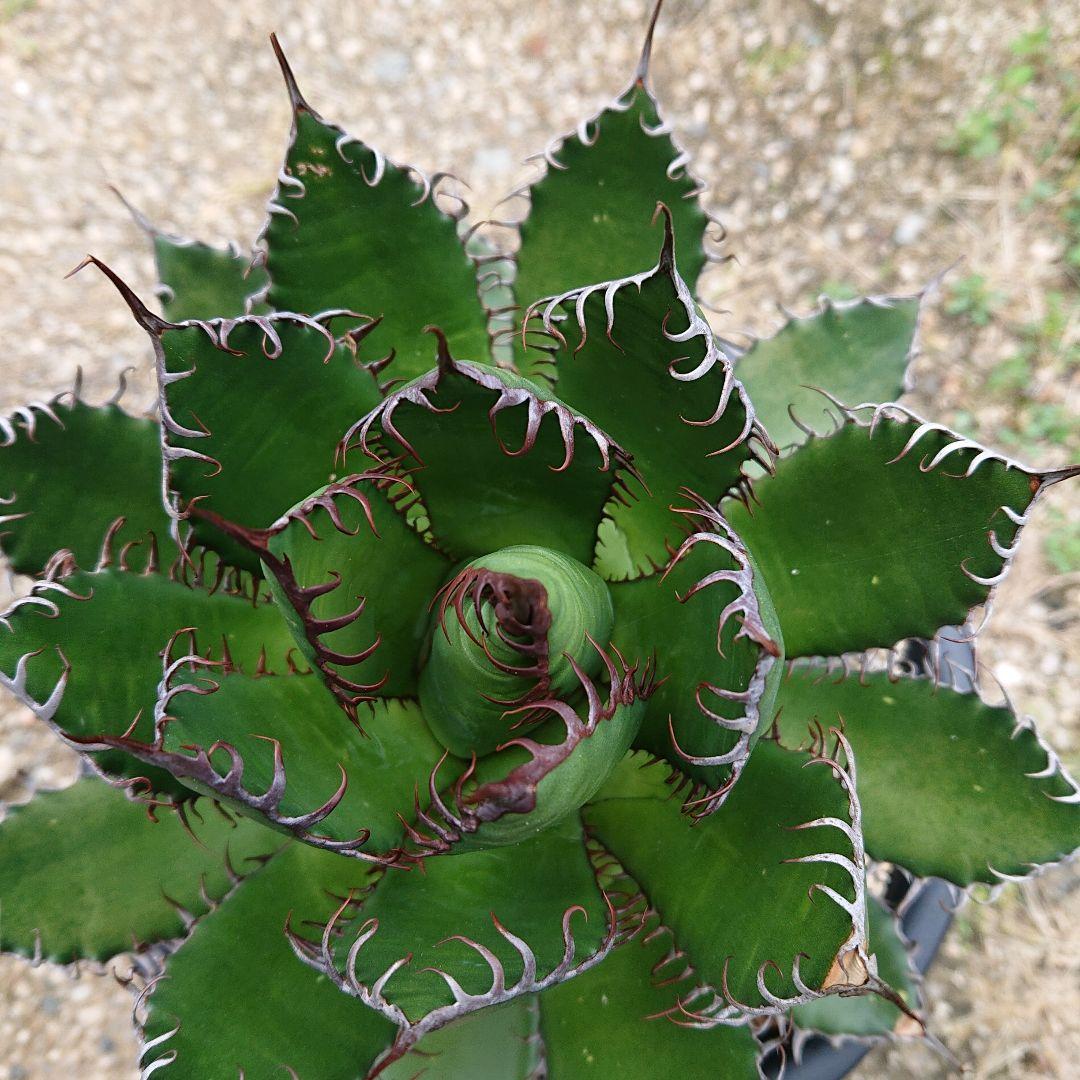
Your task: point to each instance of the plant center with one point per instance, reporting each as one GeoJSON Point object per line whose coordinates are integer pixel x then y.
{"type": "Point", "coordinates": [507, 633]}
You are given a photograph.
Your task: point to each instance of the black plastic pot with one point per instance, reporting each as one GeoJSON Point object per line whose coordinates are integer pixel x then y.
{"type": "Point", "coordinates": [926, 906]}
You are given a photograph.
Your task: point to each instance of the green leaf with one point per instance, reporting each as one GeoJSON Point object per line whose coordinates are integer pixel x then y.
{"type": "Point", "coordinates": [477, 918]}
{"type": "Point", "coordinates": [496, 461]}
{"type": "Point", "coordinates": [84, 652]}
{"type": "Point", "coordinates": [710, 623]}
{"type": "Point", "coordinates": [726, 885]}
{"type": "Point", "coordinates": [349, 229]}
{"type": "Point", "coordinates": [497, 1043]}
{"type": "Point", "coordinates": [610, 1021]}
{"type": "Point", "coordinates": [883, 531]}
{"type": "Point", "coordinates": [366, 632]}
{"type": "Point", "coordinates": [858, 351]}
{"type": "Point", "coordinates": [68, 470]}
{"type": "Point", "coordinates": [868, 1015]}
{"type": "Point", "coordinates": [85, 873]}
{"type": "Point", "coordinates": [637, 358]}
{"type": "Point", "coordinates": [589, 210]}
{"type": "Point", "coordinates": [286, 733]}
{"type": "Point", "coordinates": [197, 281]}
{"type": "Point", "coordinates": [253, 409]}
{"type": "Point", "coordinates": [951, 786]}
{"type": "Point", "coordinates": [235, 999]}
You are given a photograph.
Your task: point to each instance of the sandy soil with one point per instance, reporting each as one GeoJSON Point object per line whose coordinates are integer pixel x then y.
{"type": "Point", "coordinates": [820, 129]}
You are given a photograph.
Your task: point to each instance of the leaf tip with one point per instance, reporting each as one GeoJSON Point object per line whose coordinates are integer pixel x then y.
{"type": "Point", "coordinates": [641, 74]}
{"type": "Point", "coordinates": [150, 322]}
{"type": "Point", "coordinates": [296, 99]}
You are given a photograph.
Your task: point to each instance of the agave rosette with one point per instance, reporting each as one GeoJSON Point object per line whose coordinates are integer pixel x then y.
{"type": "Point", "coordinates": [484, 635]}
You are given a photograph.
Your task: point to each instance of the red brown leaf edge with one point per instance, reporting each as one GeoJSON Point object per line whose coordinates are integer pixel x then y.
{"type": "Point", "coordinates": [349, 693]}
{"type": "Point", "coordinates": [194, 668]}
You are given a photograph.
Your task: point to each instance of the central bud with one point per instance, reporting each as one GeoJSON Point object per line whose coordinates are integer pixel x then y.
{"type": "Point", "coordinates": [506, 628]}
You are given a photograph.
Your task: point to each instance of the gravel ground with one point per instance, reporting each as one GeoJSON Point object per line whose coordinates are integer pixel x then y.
{"type": "Point", "coordinates": [820, 129]}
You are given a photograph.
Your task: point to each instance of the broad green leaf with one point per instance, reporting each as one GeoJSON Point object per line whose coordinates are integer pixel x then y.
{"type": "Point", "coordinates": [868, 1015]}
{"type": "Point", "coordinates": [350, 229]}
{"type": "Point", "coordinates": [87, 874]}
{"type": "Point", "coordinates": [710, 624]}
{"type": "Point", "coordinates": [638, 359]}
{"type": "Point", "coordinates": [497, 1043]}
{"type": "Point", "coordinates": [589, 214]}
{"type": "Point", "coordinates": [951, 787]}
{"type": "Point", "coordinates": [319, 748]}
{"type": "Point", "coordinates": [106, 630]}
{"type": "Point", "coordinates": [198, 281]}
{"type": "Point", "coordinates": [877, 533]}
{"type": "Point", "coordinates": [496, 461]}
{"type": "Point", "coordinates": [379, 613]}
{"type": "Point", "coordinates": [857, 351]}
{"type": "Point", "coordinates": [253, 410]}
{"type": "Point", "coordinates": [529, 888]}
{"type": "Point", "coordinates": [67, 471]}
{"type": "Point", "coordinates": [724, 885]}
{"type": "Point", "coordinates": [608, 1022]}
{"type": "Point", "coordinates": [236, 1001]}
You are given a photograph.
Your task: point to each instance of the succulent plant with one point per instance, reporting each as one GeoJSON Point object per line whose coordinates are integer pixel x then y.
{"type": "Point", "coordinates": [459, 622]}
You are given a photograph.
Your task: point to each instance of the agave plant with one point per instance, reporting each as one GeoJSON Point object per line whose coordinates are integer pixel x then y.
{"type": "Point", "coordinates": [459, 623]}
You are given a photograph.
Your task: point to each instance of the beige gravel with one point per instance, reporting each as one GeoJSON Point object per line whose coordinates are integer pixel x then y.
{"type": "Point", "coordinates": [818, 127]}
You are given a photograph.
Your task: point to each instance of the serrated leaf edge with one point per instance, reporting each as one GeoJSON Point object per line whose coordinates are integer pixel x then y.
{"type": "Point", "coordinates": [587, 132]}
{"type": "Point", "coordinates": [623, 921]}
{"type": "Point", "coordinates": [869, 415]}
{"type": "Point", "coordinates": [893, 663]}
{"type": "Point", "coordinates": [710, 527]}
{"type": "Point", "coordinates": [551, 311]}
{"type": "Point", "coordinates": [854, 969]}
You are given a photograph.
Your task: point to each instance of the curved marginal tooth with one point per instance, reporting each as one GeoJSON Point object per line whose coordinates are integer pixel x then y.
{"type": "Point", "coordinates": [996, 579]}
